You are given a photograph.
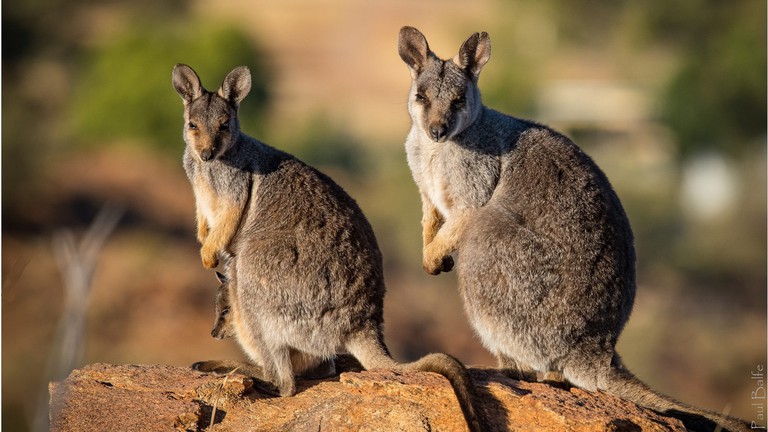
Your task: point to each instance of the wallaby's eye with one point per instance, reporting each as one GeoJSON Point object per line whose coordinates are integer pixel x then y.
{"type": "Point", "coordinates": [420, 97]}
{"type": "Point", "coordinates": [225, 312]}
{"type": "Point", "coordinates": [460, 101]}
{"type": "Point", "coordinates": [192, 126]}
{"type": "Point", "coordinates": [224, 127]}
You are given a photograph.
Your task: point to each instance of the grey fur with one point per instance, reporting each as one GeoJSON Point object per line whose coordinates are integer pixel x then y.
{"type": "Point", "coordinates": [304, 270]}
{"type": "Point", "coordinates": [546, 261]}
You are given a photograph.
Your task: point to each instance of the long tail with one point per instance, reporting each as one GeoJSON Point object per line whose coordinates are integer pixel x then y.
{"type": "Point", "coordinates": [371, 352]}
{"type": "Point", "coordinates": [622, 383]}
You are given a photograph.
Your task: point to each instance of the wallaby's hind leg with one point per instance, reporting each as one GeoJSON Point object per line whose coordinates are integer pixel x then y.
{"type": "Point", "coordinates": [514, 369]}
{"type": "Point", "coordinates": [279, 371]}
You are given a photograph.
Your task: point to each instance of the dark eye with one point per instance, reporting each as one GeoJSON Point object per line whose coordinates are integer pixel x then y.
{"type": "Point", "coordinates": [420, 97]}
{"type": "Point", "coordinates": [224, 127]}
{"type": "Point", "coordinates": [192, 126]}
{"type": "Point", "coordinates": [460, 101]}
{"type": "Point", "coordinates": [225, 312]}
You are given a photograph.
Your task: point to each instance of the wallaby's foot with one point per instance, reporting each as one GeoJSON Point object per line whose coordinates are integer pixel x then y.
{"type": "Point", "coordinates": [215, 366]}
{"type": "Point", "coordinates": [224, 367]}
{"type": "Point", "coordinates": [209, 258]}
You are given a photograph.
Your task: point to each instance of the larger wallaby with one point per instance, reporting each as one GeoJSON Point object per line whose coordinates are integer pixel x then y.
{"type": "Point", "coordinates": [306, 272]}
{"type": "Point", "coordinates": [546, 261]}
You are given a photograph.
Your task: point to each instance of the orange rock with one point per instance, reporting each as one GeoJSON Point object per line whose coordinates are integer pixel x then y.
{"type": "Point", "coordinates": [102, 397]}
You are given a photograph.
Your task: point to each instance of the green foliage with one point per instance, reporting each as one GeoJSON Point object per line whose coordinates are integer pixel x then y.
{"type": "Point", "coordinates": [717, 99]}
{"type": "Point", "coordinates": [124, 91]}
{"type": "Point", "coordinates": [321, 143]}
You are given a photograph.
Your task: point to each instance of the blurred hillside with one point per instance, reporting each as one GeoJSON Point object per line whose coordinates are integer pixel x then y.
{"type": "Point", "coordinates": [668, 98]}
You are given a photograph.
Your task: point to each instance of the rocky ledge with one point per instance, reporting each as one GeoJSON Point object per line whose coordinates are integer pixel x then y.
{"type": "Point", "coordinates": [104, 397]}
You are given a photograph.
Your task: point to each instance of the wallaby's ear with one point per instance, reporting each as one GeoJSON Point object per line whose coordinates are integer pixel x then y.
{"type": "Point", "coordinates": [413, 49]}
{"type": "Point", "coordinates": [223, 279]}
{"type": "Point", "coordinates": [187, 83]}
{"type": "Point", "coordinates": [474, 53]}
{"type": "Point", "coordinates": [236, 85]}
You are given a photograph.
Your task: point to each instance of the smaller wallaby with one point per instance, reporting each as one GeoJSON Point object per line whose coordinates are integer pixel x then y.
{"type": "Point", "coordinates": [546, 259]}
{"type": "Point", "coordinates": [304, 272]}
{"type": "Point", "coordinates": [222, 327]}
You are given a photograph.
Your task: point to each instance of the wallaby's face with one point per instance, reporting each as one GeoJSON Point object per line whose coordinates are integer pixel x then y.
{"type": "Point", "coordinates": [444, 98]}
{"type": "Point", "coordinates": [210, 119]}
{"type": "Point", "coordinates": [223, 327]}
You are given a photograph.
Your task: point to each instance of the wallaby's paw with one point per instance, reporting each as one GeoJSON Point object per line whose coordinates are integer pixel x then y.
{"type": "Point", "coordinates": [447, 264]}
{"type": "Point", "coordinates": [435, 265]}
{"type": "Point", "coordinates": [209, 258]}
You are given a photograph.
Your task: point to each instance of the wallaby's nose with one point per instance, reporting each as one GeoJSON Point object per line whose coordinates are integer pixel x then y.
{"type": "Point", "coordinates": [215, 334]}
{"type": "Point", "coordinates": [438, 132]}
{"type": "Point", "coordinates": [206, 155]}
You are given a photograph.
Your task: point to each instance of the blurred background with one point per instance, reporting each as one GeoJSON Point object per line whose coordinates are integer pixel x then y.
{"type": "Point", "coordinates": [668, 97]}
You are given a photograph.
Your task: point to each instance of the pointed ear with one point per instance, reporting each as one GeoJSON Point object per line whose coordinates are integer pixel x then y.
{"type": "Point", "coordinates": [236, 85]}
{"type": "Point", "coordinates": [413, 49]}
{"type": "Point", "coordinates": [187, 83]}
{"type": "Point", "coordinates": [223, 279]}
{"type": "Point", "coordinates": [474, 54]}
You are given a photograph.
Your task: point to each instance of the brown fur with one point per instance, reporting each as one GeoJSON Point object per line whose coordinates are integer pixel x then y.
{"type": "Point", "coordinates": [305, 272]}
{"type": "Point", "coordinates": [546, 260]}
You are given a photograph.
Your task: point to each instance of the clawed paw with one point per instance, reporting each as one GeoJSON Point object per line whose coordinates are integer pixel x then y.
{"type": "Point", "coordinates": [437, 265]}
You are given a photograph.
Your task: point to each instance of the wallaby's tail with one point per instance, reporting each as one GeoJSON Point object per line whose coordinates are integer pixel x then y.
{"type": "Point", "coordinates": [372, 354]}
{"type": "Point", "coordinates": [622, 383]}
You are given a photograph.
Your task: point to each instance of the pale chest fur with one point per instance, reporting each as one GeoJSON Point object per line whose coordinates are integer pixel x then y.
{"type": "Point", "coordinates": [216, 186]}
{"type": "Point", "coordinates": [452, 177]}
{"type": "Point", "coordinates": [208, 201]}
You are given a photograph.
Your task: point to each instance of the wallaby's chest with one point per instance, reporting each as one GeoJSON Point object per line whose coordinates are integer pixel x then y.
{"type": "Point", "coordinates": [452, 177]}
{"type": "Point", "coordinates": [212, 187]}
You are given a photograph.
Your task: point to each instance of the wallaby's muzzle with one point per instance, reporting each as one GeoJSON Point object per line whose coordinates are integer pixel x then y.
{"type": "Point", "coordinates": [438, 132]}
{"type": "Point", "coordinates": [206, 154]}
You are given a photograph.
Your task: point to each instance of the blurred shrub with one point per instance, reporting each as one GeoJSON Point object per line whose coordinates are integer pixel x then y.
{"type": "Point", "coordinates": [322, 143]}
{"type": "Point", "coordinates": [124, 90]}
{"type": "Point", "coordinates": [717, 99]}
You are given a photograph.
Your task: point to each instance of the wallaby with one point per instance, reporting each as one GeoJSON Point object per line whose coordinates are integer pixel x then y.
{"type": "Point", "coordinates": [546, 261]}
{"type": "Point", "coordinates": [222, 327]}
{"type": "Point", "coordinates": [306, 278]}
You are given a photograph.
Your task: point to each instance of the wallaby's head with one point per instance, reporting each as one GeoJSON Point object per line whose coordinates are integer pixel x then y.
{"type": "Point", "coordinates": [223, 327]}
{"type": "Point", "coordinates": [444, 98]}
{"type": "Point", "coordinates": [210, 119]}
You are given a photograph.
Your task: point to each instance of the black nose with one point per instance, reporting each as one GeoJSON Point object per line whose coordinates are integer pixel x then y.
{"type": "Point", "coordinates": [206, 154]}
{"type": "Point", "coordinates": [438, 132]}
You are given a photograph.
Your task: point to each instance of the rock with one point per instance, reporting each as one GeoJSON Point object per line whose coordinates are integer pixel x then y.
{"type": "Point", "coordinates": [104, 397]}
